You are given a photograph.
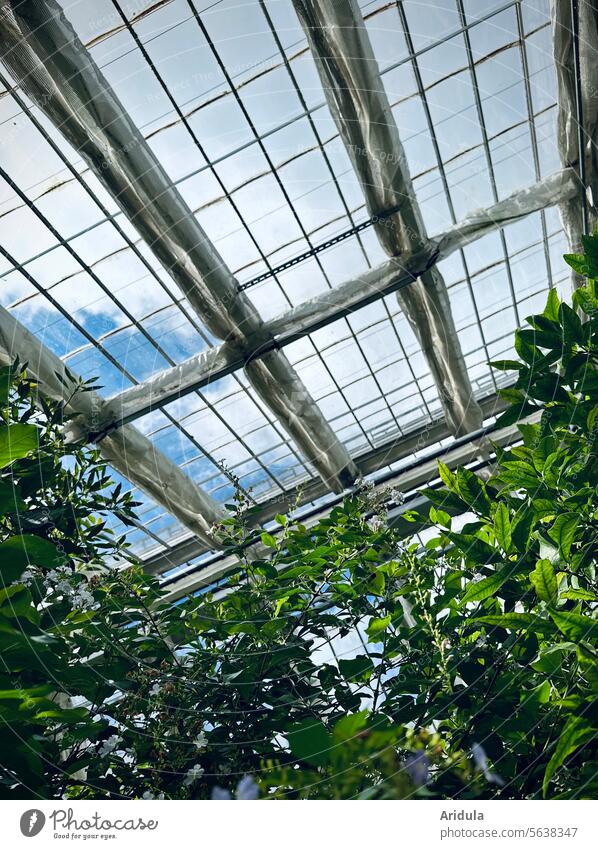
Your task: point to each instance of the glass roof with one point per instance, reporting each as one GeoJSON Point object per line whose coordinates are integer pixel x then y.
{"type": "Point", "coordinates": [257, 156]}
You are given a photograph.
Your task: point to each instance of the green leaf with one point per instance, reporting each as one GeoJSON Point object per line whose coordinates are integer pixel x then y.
{"type": "Point", "coordinates": [439, 517]}
{"type": "Point", "coordinates": [550, 659]}
{"type": "Point", "coordinates": [544, 581]}
{"type": "Point", "coordinates": [309, 741]}
{"type": "Point", "coordinates": [571, 325]}
{"type": "Point", "coordinates": [360, 667]}
{"type": "Point", "coordinates": [474, 548]}
{"type": "Point", "coordinates": [10, 499]}
{"type": "Point", "coordinates": [517, 622]}
{"type": "Point", "coordinates": [349, 726]}
{"type": "Point", "coordinates": [506, 365]}
{"type": "Point", "coordinates": [377, 584]}
{"type": "Point", "coordinates": [512, 395]}
{"type": "Point", "coordinates": [575, 626]}
{"type": "Point", "coordinates": [502, 527]}
{"type": "Point", "coordinates": [16, 441]}
{"type": "Point", "coordinates": [563, 532]}
{"type": "Point", "coordinates": [448, 478]}
{"type": "Point", "coordinates": [548, 388]}
{"type": "Point", "coordinates": [517, 411]}
{"type": "Point", "coordinates": [377, 626]}
{"type": "Point", "coordinates": [445, 500]}
{"type": "Point", "coordinates": [528, 352]}
{"type": "Point", "coordinates": [20, 552]}
{"type": "Point", "coordinates": [592, 416]}
{"type": "Point", "coordinates": [530, 433]}
{"type": "Point", "coordinates": [522, 529]}
{"type": "Point", "coordinates": [483, 589]}
{"type": "Point", "coordinates": [577, 263]}
{"type": "Point", "coordinates": [577, 594]}
{"type": "Point", "coordinates": [16, 603]}
{"type": "Point", "coordinates": [590, 249]}
{"type": "Point", "coordinates": [472, 491]}
{"type": "Point", "coordinates": [577, 731]}
{"type": "Point", "coordinates": [551, 310]}
{"type": "Point", "coordinates": [268, 539]}
{"type": "Point", "coordinates": [279, 605]}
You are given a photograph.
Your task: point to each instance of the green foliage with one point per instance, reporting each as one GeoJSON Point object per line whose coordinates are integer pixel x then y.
{"type": "Point", "coordinates": [52, 540]}
{"type": "Point", "coordinates": [463, 668]}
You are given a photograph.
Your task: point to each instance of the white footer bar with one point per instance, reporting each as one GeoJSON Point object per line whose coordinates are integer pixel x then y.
{"type": "Point", "coordinates": [297, 825]}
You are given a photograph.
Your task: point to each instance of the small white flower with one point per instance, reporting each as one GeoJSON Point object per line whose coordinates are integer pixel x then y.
{"type": "Point", "coordinates": [155, 690]}
{"type": "Point", "coordinates": [110, 744]}
{"type": "Point", "coordinates": [375, 523]}
{"type": "Point", "coordinates": [397, 496]}
{"type": "Point", "coordinates": [63, 587]}
{"type": "Point", "coordinates": [149, 795]}
{"type": "Point", "coordinates": [193, 774]}
{"type": "Point", "coordinates": [56, 576]}
{"type": "Point", "coordinates": [200, 741]}
{"type": "Point", "coordinates": [27, 577]}
{"type": "Point", "coordinates": [83, 598]}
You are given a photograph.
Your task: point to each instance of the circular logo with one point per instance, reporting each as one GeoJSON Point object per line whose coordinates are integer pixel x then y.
{"type": "Point", "coordinates": [32, 822]}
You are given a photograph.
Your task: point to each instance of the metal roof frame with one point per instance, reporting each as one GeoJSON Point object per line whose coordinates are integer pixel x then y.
{"type": "Point", "coordinates": [393, 276]}
{"type": "Point", "coordinates": [575, 29]}
{"type": "Point", "coordinates": [44, 55]}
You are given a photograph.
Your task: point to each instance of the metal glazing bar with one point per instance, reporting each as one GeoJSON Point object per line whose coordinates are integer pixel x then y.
{"type": "Point", "coordinates": [575, 45]}
{"type": "Point", "coordinates": [43, 53]}
{"type": "Point", "coordinates": [332, 305]}
{"type": "Point", "coordinates": [487, 153]}
{"type": "Point", "coordinates": [357, 100]}
{"type": "Point", "coordinates": [408, 480]}
{"type": "Point", "coordinates": [533, 132]}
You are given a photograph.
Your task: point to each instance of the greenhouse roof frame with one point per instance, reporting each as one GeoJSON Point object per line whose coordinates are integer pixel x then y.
{"type": "Point", "coordinates": [55, 80]}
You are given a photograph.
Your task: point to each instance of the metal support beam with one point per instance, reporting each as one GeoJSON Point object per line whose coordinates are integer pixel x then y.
{"type": "Point", "coordinates": [127, 450]}
{"type": "Point", "coordinates": [575, 46]}
{"type": "Point", "coordinates": [330, 306]}
{"type": "Point", "coordinates": [409, 480]}
{"type": "Point", "coordinates": [44, 55]}
{"type": "Point", "coordinates": [384, 455]}
{"type": "Point", "coordinates": [357, 99]}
